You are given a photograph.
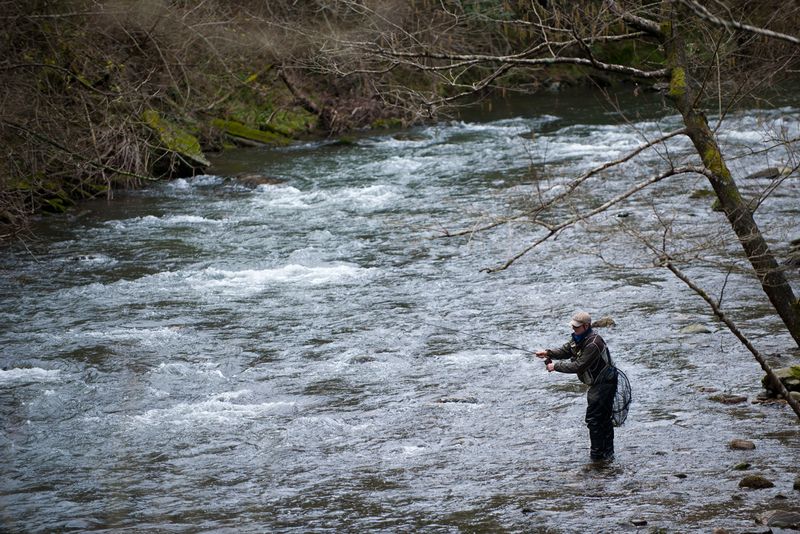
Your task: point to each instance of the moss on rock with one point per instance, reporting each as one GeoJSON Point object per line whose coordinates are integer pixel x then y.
{"type": "Point", "coordinates": [175, 139]}
{"type": "Point", "coordinates": [238, 130]}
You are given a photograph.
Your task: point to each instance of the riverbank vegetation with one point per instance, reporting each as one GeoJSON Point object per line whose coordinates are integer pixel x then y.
{"type": "Point", "coordinates": [99, 95]}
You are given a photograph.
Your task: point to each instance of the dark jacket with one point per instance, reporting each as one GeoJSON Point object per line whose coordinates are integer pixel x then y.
{"type": "Point", "coordinates": [589, 358]}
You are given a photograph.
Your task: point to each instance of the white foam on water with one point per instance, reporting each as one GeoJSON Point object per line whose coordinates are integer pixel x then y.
{"type": "Point", "coordinates": [369, 198]}
{"type": "Point", "coordinates": [213, 280]}
{"type": "Point", "coordinates": [201, 180]}
{"type": "Point", "coordinates": [251, 280]}
{"type": "Point", "coordinates": [206, 180]}
{"type": "Point", "coordinates": [30, 375]}
{"type": "Point", "coordinates": [233, 395]}
{"type": "Point", "coordinates": [181, 369]}
{"type": "Point", "coordinates": [179, 184]}
{"type": "Point", "coordinates": [89, 260]}
{"type": "Point", "coordinates": [287, 197]}
{"type": "Point", "coordinates": [146, 336]}
{"type": "Point", "coordinates": [166, 221]}
{"type": "Point", "coordinates": [214, 411]}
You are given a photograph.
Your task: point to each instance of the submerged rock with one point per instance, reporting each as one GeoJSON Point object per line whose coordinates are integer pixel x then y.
{"type": "Point", "coordinates": [462, 400]}
{"type": "Point", "coordinates": [756, 482]}
{"type": "Point", "coordinates": [770, 173]}
{"type": "Point", "coordinates": [254, 180]}
{"type": "Point", "coordinates": [702, 193]}
{"type": "Point", "coordinates": [696, 328]}
{"type": "Point", "coordinates": [726, 398]}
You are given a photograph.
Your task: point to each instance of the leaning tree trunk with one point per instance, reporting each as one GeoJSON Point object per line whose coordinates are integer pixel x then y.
{"type": "Point", "coordinates": [736, 209]}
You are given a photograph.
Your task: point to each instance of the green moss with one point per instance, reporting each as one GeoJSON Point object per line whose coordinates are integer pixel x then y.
{"type": "Point", "coordinates": [175, 138]}
{"type": "Point", "coordinates": [239, 130]}
{"type": "Point", "coordinates": [794, 371]}
{"type": "Point", "coordinates": [386, 124]}
{"type": "Point", "coordinates": [677, 83]}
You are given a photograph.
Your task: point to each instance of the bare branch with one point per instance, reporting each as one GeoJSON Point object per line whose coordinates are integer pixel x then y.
{"type": "Point", "coordinates": [553, 230]}
{"type": "Point", "coordinates": [572, 185]}
{"type": "Point", "coordinates": [776, 382]}
{"type": "Point", "coordinates": [634, 21]}
{"type": "Point", "coordinates": [704, 13]}
{"type": "Point", "coordinates": [414, 58]}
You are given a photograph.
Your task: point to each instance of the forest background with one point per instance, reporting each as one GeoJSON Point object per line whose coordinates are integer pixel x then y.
{"type": "Point", "coordinates": [99, 95]}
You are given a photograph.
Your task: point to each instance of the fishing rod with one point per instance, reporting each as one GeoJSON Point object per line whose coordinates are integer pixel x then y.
{"type": "Point", "coordinates": [490, 340]}
{"type": "Point", "coordinates": [470, 334]}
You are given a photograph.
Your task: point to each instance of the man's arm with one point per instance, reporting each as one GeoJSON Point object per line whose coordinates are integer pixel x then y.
{"type": "Point", "coordinates": [578, 366]}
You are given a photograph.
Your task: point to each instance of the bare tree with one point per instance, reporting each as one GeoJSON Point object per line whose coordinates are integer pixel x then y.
{"type": "Point", "coordinates": [697, 55]}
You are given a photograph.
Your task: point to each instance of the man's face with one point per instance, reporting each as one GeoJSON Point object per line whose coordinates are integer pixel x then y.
{"type": "Point", "coordinates": [580, 329]}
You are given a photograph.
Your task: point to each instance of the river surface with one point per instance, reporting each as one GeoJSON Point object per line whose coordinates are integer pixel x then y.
{"type": "Point", "coordinates": [205, 357]}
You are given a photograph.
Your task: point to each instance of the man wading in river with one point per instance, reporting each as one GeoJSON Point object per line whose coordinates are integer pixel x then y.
{"type": "Point", "coordinates": [587, 356]}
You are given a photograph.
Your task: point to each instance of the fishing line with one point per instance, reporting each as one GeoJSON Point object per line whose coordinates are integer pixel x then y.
{"type": "Point", "coordinates": [470, 334]}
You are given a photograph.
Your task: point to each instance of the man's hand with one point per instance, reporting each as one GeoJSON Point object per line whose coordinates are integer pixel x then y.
{"type": "Point", "coordinates": [541, 354]}
{"type": "Point", "coordinates": [551, 367]}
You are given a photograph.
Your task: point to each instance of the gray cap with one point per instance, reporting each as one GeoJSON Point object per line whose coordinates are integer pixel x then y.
{"type": "Point", "coordinates": [580, 318]}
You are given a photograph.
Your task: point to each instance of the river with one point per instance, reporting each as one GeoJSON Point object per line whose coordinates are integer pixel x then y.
{"type": "Point", "coordinates": [200, 356]}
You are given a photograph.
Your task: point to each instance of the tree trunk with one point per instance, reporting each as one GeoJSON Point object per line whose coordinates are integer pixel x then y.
{"type": "Point", "coordinates": [736, 209]}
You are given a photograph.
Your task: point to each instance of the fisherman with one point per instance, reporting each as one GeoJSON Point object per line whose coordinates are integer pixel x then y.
{"type": "Point", "coordinates": [586, 355]}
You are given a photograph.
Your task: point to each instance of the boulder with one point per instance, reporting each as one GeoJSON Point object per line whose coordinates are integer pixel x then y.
{"type": "Point", "coordinates": [789, 376]}
{"type": "Point", "coordinates": [756, 482]}
{"type": "Point", "coordinates": [177, 141]}
{"type": "Point", "coordinates": [780, 519]}
{"type": "Point", "coordinates": [604, 322]}
{"type": "Point", "coordinates": [770, 173]}
{"type": "Point", "coordinates": [741, 445]}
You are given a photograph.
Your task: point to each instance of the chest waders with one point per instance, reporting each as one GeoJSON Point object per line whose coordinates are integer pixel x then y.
{"type": "Point", "coordinates": [599, 410]}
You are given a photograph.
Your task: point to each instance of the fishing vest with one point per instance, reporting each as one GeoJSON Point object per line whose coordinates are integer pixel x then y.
{"type": "Point", "coordinates": [598, 370]}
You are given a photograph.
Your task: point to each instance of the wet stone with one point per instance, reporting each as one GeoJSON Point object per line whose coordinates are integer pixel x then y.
{"type": "Point", "coordinates": [780, 519]}
{"type": "Point", "coordinates": [603, 322]}
{"type": "Point", "coordinates": [742, 445]}
{"type": "Point", "coordinates": [755, 482]}
{"type": "Point", "coordinates": [725, 398]}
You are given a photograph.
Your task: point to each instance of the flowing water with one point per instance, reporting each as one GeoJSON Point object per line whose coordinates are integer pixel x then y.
{"type": "Point", "coordinates": [204, 357]}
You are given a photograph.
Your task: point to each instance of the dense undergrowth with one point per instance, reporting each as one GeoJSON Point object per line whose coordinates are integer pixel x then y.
{"type": "Point", "coordinates": [99, 95]}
